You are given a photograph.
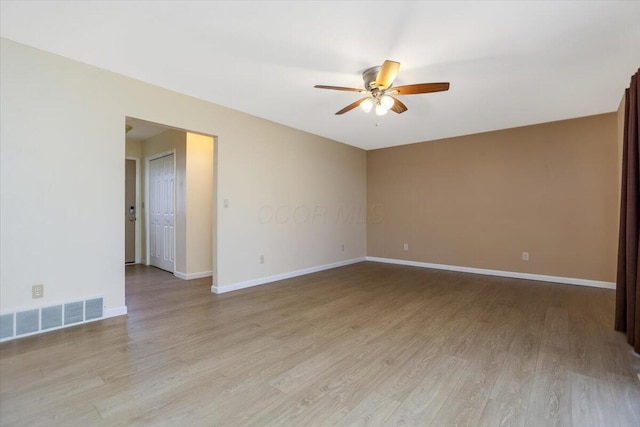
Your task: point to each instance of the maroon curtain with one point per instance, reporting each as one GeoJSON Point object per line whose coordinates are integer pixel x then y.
{"type": "Point", "coordinates": [628, 281]}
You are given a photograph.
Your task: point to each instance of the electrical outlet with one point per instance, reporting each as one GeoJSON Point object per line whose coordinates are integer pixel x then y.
{"type": "Point", "coordinates": [37, 291]}
{"type": "Point", "coordinates": [261, 259]}
{"type": "Point", "coordinates": [343, 247]}
{"type": "Point", "coordinates": [525, 256]}
{"type": "Point", "coordinates": [226, 203]}
{"type": "Point", "coordinates": [406, 246]}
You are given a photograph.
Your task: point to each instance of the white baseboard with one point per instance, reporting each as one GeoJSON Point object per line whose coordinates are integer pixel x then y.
{"type": "Point", "coordinates": [500, 273]}
{"type": "Point", "coordinates": [263, 280]}
{"type": "Point", "coordinates": [113, 312]}
{"type": "Point", "coordinates": [189, 276]}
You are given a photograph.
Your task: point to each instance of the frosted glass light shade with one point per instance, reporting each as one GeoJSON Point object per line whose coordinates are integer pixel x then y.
{"type": "Point", "coordinates": [366, 105]}
{"type": "Point", "coordinates": [386, 101]}
{"type": "Point", "coordinates": [380, 110]}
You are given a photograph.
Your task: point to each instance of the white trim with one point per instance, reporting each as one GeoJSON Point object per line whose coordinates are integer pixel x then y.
{"type": "Point", "coordinates": [263, 280]}
{"type": "Point", "coordinates": [214, 211]}
{"type": "Point", "coordinates": [500, 273]}
{"type": "Point", "coordinates": [113, 312]}
{"type": "Point", "coordinates": [189, 276]}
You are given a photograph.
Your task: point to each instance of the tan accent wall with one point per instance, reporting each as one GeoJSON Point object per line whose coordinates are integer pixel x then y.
{"type": "Point", "coordinates": [620, 131]}
{"type": "Point", "coordinates": [482, 200]}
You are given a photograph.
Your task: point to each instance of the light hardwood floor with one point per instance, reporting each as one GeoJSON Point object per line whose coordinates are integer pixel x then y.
{"type": "Point", "coordinates": [367, 344]}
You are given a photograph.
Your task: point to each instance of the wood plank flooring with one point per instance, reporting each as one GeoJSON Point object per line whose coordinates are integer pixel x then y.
{"type": "Point", "coordinates": [367, 344]}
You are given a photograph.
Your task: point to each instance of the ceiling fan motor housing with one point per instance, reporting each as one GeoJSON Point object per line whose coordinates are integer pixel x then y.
{"type": "Point", "coordinates": [369, 76]}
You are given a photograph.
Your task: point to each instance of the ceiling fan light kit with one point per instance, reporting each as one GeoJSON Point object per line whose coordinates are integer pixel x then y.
{"type": "Point", "coordinates": [380, 110]}
{"type": "Point", "coordinates": [378, 82]}
{"type": "Point", "coordinates": [366, 105]}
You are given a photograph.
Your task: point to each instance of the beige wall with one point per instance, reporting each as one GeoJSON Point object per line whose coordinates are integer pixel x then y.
{"type": "Point", "coordinates": [62, 193]}
{"type": "Point", "coordinates": [199, 204]}
{"type": "Point", "coordinates": [481, 200]}
{"type": "Point", "coordinates": [133, 148]}
{"type": "Point", "coordinates": [294, 197]}
{"type": "Point", "coordinates": [169, 141]}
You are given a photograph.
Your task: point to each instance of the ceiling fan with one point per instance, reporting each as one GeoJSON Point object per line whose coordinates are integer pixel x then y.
{"type": "Point", "coordinates": [378, 83]}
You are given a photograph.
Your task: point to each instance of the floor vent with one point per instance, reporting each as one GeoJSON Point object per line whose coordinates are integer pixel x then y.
{"type": "Point", "coordinates": [51, 317]}
{"type": "Point", "coordinates": [73, 313]}
{"type": "Point", "coordinates": [43, 319]}
{"type": "Point", "coordinates": [27, 322]}
{"type": "Point", "coordinates": [6, 326]}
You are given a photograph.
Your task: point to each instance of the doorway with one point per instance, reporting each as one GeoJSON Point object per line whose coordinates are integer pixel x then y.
{"type": "Point", "coordinates": [176, 198]}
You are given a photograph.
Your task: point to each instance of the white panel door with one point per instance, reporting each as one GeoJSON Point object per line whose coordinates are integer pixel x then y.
{"type": "Point", "coordinates": [161, 202]}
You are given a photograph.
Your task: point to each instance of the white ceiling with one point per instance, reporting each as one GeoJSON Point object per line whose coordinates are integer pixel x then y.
{"type": "Point", "coordinates": [509, 63]}
{"type": "Point", "coordinates": [141, 130]}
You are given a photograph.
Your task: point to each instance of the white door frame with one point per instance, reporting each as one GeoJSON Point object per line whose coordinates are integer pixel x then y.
{"type": "Point", "coordinates": [138, 228]}
{"type": "Point", "coordinates": [147, 161]}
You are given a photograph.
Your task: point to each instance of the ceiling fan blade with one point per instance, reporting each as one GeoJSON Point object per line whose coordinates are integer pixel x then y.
{"type": "Point", "coordinates": [351, 106]}
{"type": "Point", "coordinates": [398, 107]}
{"type": "Point", "coordinates": [348, 89]}
{"type": "Point", "coordinates": [420, 88]}
{"type": "Point", "coordinates": [387, 74]}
